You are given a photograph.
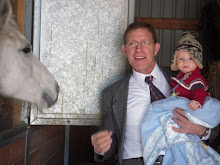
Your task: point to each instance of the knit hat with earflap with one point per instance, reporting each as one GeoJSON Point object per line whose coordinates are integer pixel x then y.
{"type": "Point", "coordinates": [189, 44]}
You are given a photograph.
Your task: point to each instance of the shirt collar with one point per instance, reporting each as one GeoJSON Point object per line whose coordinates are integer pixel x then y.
{"type": "Point", "coordinates": [140, 77]}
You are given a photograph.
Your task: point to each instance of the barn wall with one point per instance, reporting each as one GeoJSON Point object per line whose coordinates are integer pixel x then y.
{"type": "Point", "coordinates": [13, 153]}
{"type": "Point", "coordinates": [46, 147]}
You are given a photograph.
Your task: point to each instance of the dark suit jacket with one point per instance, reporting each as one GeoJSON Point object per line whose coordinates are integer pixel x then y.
{"type": "Point", "coordinates": [114, 109]}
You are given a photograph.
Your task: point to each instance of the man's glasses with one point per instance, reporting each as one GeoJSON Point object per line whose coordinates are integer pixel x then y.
{"type": "Point", "coordinates": [133, 44]}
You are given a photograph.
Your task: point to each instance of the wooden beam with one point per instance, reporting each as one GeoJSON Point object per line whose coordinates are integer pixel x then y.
{"type": "Point", "coordinates": [170, 23]}
{"type": "Point", "coordinates": [18, 7]}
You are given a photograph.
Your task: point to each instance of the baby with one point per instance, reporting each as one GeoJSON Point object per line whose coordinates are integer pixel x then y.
{"type": "Point", "coordinates": [189, 82]}
{"type": "Point", "coordinates": [157, 134]}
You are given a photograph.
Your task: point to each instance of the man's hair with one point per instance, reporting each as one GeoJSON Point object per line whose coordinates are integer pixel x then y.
{"type": "Point", "coordinates": [138, 25]}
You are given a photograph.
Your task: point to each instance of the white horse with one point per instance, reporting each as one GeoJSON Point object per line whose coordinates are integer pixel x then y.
{"type": "Point", "coordinates": [22, 76]}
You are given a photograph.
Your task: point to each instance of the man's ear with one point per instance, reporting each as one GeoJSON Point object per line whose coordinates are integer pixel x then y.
{"type": "Point", "coordinates": [157, 48]}
{"type": "Point", "coordinates": [124, 50]}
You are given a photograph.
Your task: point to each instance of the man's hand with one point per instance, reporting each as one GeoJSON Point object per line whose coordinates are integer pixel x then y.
{"type": "Point", "coordinates": [101, 141]}
{"type": "Point", "coordinates": [186, 125]}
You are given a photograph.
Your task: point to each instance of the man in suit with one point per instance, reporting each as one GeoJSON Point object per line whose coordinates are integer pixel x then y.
{"type": "Point", "coordinates": [126, 102]}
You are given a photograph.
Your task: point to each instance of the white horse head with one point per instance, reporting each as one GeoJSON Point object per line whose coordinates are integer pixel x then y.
{"type": "Point", "coordinates": [22, 76]}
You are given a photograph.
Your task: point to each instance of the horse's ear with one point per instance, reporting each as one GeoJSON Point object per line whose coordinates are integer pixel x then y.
{"type": "Point", "coordinates": [5, 12]}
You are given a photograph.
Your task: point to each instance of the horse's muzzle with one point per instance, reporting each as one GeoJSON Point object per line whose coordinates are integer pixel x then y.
{"type": "Point", "coordinates": [49, 98]}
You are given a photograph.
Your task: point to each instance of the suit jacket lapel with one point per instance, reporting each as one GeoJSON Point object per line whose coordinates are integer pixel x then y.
{"type": "Point", "coordinates": [120, 113]}
{"type": "Point", "coordinates": [120, 104]}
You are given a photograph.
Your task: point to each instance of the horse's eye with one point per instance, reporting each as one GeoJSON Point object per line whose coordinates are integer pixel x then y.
{"type": "Point", "coordinates": [26, 50]}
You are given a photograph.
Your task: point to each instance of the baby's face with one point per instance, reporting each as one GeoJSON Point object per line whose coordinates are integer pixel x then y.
{"type": "Point", "coordinates": [185, 62]}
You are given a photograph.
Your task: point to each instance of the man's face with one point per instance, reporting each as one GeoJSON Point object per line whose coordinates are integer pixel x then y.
{"type": "Point", "coordinates": [141, 56]}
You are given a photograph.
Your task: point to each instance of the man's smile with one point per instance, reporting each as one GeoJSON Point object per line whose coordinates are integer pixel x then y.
{"type": "Point", "coordinates": [137, 58]}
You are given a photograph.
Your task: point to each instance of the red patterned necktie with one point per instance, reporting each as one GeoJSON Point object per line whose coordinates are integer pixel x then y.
{"type": "Point", "coordinates": [155, 93]}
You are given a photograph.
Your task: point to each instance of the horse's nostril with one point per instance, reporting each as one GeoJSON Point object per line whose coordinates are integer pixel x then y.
{"type": "Point", "coordinates": [58, 88]}
{"type": "Point", "coordinates": [48, 99]}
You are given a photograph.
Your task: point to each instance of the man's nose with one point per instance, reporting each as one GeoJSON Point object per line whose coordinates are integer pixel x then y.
{"type": "Point", "coordinates": [138, 45]}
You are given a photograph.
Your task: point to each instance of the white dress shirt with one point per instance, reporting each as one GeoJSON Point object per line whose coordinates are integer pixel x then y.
{"type": "Point", "coordinates": [137, 106]}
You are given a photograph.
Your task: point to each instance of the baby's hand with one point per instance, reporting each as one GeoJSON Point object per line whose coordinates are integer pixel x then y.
{"type": "Point", "coordinates": [194, 105]}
